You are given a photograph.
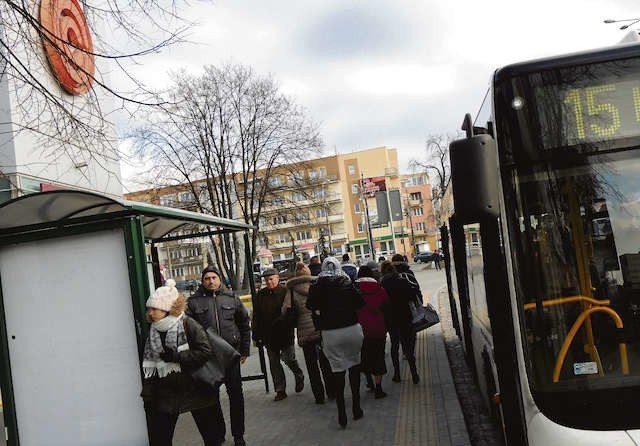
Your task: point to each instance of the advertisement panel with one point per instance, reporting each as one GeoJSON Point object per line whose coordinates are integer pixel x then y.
{"type": "Point", "coordinates": [372, 185]}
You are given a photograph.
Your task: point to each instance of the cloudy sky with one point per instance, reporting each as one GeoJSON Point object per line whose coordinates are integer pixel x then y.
{"type": "Point", "coordinates": [381, 72]}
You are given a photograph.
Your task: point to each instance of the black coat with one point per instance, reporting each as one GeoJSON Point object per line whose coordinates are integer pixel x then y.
{"type": "Point", "coordinates": [270, 326]}
{"type": "Point", "coordinates": [224, 310]}
{"type": "Point", "coordinates": [178, 392]}
{"type": "Point", "coordinates": [400, 293]}
{"type": "Point", "coordinates": [334, 300]}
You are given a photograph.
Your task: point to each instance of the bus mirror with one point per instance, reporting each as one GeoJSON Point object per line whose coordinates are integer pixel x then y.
{"type": "Point", "coordinates": [474, 177]}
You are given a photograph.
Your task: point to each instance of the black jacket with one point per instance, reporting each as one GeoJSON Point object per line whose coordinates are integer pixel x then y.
{"type": "Point", "coordinates": [270, 326]}
{"type": "Point", "coordinates": [400, 293]}
{"type": "Point", "coordinates": [224, 312]}
{"type": "Point", "coordinates": [334, 300]}
{"type": "Point", "coordinates": [178, 392]}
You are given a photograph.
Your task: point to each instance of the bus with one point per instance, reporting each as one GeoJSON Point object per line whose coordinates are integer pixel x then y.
{"type": "Point", "coordinates": [542, 251]}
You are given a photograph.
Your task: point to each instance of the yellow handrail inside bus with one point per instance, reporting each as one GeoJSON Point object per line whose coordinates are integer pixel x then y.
{"type": "Point", "coordinates": [572, 333]}
{"type": "Point", "coordinates": [564, 300]}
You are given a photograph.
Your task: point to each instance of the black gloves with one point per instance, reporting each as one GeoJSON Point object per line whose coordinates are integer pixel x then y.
{"type": "Point", "coordinates": [170, 356]}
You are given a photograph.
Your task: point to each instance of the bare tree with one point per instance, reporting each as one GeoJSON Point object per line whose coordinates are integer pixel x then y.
{"type": "Point", "coordinates": [87, 47]}
{"type": "Point", "coordinates": [436, 164]}
{"type": "Point", "coordinates": [222, 135]}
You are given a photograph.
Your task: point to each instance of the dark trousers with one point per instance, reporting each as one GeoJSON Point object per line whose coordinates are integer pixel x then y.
{"type": "Point", "coordinates": [407, 338]}
{"type": "Point", "coordinates": [314, 357]}
{"type": "Point", "coordinates": [233, 384]}
{"type": "Point", "coordinates": [162, 425]}
{"type": "Point", "coordinates": [288, 356]}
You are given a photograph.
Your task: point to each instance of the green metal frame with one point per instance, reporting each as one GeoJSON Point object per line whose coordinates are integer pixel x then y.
{"type": "Point", "coordinates": [138, 278]}
{"type": "Point", "coordinates": [6, 382]}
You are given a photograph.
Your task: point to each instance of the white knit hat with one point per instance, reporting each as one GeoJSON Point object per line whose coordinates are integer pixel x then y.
{"type": "Point", "coordinates": [164, 297]}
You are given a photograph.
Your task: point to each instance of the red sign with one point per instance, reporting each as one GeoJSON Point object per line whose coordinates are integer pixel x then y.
{"type": "Point", "coordinates": [68, 44]}
{"type": "Point", "coordinates": [372, 185]}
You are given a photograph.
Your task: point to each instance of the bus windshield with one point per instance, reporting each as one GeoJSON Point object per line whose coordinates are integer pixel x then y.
{"type": "Point", "coordinates": [570, 151]}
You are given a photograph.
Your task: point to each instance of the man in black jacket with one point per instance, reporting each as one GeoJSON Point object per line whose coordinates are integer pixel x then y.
{"type": "Point", "coordinates": [272, 330]}
{"type": "Point", "coordinates": [213, 305]}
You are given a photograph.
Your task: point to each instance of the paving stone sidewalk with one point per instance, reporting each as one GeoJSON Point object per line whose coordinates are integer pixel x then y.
{"type": "Point", "coordinates": [424, 414]}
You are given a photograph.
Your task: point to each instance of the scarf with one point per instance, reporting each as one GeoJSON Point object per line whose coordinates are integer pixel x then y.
{"type": "Point", "coordinates": [331, 267]}
{"type": "Point", "coordinates": [175, 340]}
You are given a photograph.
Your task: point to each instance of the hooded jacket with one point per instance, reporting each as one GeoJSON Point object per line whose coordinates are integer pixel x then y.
{"type": "Point", "coordinates": [224, 312]}
{"type": "Point", "coordinates": [298, 289]}
{"type": "Point", "coordinates": [372, 315]}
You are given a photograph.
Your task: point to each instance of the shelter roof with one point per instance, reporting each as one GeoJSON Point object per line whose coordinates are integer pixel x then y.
{"type": "Point", "coordinates": [61, 208]}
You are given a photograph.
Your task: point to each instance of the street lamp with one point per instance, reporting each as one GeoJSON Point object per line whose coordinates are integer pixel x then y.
{"type": "Point", "coordinates": [633, 22]}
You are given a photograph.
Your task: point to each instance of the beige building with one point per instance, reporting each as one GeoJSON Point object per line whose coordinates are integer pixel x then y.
{"type": "Point", "coordinates": [323, 201]}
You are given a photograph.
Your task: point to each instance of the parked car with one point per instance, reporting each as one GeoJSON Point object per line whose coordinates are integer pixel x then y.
{"type": "Point", "coordinates": [424, 257]}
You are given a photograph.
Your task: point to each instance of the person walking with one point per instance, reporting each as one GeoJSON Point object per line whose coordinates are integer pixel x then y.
{"type": "Point", "coordinates": [348, 267]}
{"type": "Point", "coordinates": [175, 345]}
{"type": "Point", "coordinates": [333, 300]}
{"type": "Point", "coordinates": [213, 305]}
{"type": "Point", "coordinates": [315, 266]}
{"type": "Point", "coordinates": [272, 330]}
{"type": "Point", "coordinates": [400, 292]}
{"type": "Point", "coordinates": [372, 320]}
{"type": "Point", "coordinates": [437, 258]}
{"type": "Point", "coordinates": [308, 336]}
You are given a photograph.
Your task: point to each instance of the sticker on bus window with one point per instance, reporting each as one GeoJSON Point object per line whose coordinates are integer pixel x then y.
{"type": "Point", "coordinates": [585, 368]}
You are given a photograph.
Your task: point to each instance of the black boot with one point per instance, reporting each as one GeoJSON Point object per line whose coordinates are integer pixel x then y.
{"type": "Point", "coordinates": [379, 393]}
{"type": "Point", "coordinates": [414, 372]}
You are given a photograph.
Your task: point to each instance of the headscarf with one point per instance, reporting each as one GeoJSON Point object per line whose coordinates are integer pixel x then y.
{"type": "Point", "coordinates": [331, 267]}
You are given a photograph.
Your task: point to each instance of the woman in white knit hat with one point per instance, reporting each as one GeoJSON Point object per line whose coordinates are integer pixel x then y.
{"type": "Point", "coordinates": [176, 344]}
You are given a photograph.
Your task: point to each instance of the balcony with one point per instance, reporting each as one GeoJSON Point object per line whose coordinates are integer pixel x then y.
{"type": "Point", "coordinates": [391, 172]}
{"type": "Point", "coordinates": [414, 202]}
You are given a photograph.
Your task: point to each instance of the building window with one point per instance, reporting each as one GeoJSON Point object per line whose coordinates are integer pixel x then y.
{"type": "Point", "coordinates": [282, 238]}
{"type": "Point", "coordinates": [357, 250]}
{"type": "Point", "coordinates": [303, 235]}
{"type": "Point", "coordinates": [279, 219]}
{"type": "Point", "coordinates": [416, 181]}
{"type": "Point", "coordinates": [168, 200]}
{"type": "Point", "coordinates": [322, 172]}
{"type": "Point", "coordinates": [352, 169]}
{"type": "Point", "coordinates": [320, 193]}
{"type": "Point", "coordinates": [277, 200]}
{"type": "Point", "coordinates": [354, 188]}
{"type": "Point", "coordinates": [417, 211]}
{"type": "Point", "coordinates": [298, 196]}
{"type": "Point", "coordinates": [186, 197]}
{"type": "Point", "coordinates": [301, 216]}
{"type": "Point", "coordinates": [322, 212]}
{"type": "Point", "coordinates": [274, 181]}
{"type": "Point", "coordinates": [356, 207]}
{"type": "Point", "coordinates": [415, 196]}
{"type": "Point", "coordinates": [360, 227]}
{"type": "Point", "coordinates": [420, 226]}
{"type": "Point", "coordinates": [295, 177]}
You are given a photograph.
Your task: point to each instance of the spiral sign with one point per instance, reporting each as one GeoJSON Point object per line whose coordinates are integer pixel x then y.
{"type": "Point", "coordinates": [67, 42]}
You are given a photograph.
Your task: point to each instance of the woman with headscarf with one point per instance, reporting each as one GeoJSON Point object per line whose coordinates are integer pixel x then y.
{"type": "Point", "coordinates": [295, 303]}
{"type": "Point", "coordinates": [176, 344]}
{"type": "Point", "coordinates": [334, 301]}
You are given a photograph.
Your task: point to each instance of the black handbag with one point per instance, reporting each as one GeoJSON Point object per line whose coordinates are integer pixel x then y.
{"type": "Point", "coordinates": [223, 357]}
{"type": "Point", "coordinates": [422, 317]}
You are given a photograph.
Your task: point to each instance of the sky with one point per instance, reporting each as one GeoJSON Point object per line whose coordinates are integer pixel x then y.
{"type": "Point", "coordinates": [384, 73]}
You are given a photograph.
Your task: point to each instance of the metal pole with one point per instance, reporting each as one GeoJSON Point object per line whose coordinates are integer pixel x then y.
{"type": "Point", "coordinates": [372, 249]}
{"type": "Point", "coordinates": [393, 232]}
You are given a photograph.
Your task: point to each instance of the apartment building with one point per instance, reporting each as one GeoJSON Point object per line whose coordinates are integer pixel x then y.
{"type": "Point", "coordinates": [322, 204]}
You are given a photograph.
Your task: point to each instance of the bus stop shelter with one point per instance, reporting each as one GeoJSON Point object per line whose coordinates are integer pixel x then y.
{"type": "Point", "coordinates": [74, 279]}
